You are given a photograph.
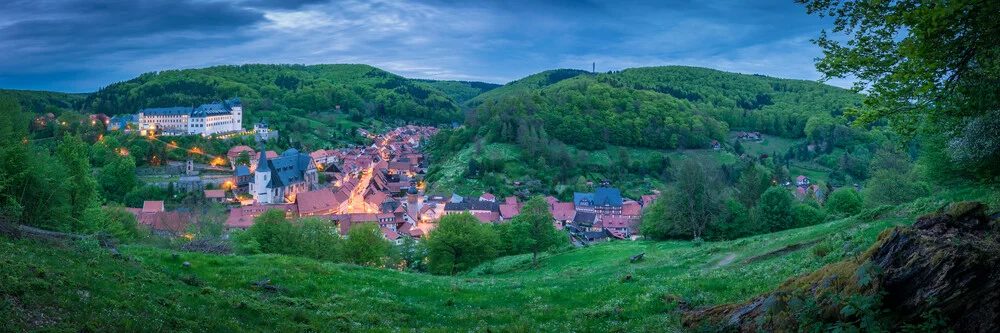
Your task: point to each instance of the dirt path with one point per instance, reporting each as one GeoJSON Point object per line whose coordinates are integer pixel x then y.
{"type": "Point", "coordinates": [725, 261]}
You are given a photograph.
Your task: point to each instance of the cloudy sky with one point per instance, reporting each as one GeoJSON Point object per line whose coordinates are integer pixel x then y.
{"type": "Point", "coordinates": [82, 45]}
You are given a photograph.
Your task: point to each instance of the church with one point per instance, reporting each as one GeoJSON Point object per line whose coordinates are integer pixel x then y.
{"type": "Point", "coordinates": [278, 180]}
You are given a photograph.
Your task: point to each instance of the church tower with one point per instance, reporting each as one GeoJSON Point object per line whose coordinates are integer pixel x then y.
{"type": "Point", "coordinates": [237, 106]}
{"type": "Point", "coordinates": [262, 177]}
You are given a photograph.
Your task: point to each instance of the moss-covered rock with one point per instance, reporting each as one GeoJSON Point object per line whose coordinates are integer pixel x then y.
{"type": "Point", "coordinates": [951, 256]}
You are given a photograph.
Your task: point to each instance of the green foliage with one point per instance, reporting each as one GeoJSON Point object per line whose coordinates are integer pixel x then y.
{"type": "Point", "coordinates": [460, 242]}
{"type": "Point", "coordinates": [460, 91]}
{"type": "Point", "coordinates": [272, 233]}
{"type": "Point", "coordinates": [40, 102]}
{"type": "Point", "coordinates": [298, 89]}
{"type": "Point", "coordinates": [531, 231]}
{"type": "Point", "coordinates": [806, 215]}
{"type": "Point", "coordinates": [117, 178]}
{"type": "Point", "coordinates": [365, 245]}
{"type": "Point", "coordinates": [113, 221]}
{"type": "Point", "coordinates": [775, 210]}
{"type": "Point", "coordinates": [892, 182]}
{"type": "Point", "coordinates": [921, 63]}
{"type": "Point", "coordinates": [844, 202]}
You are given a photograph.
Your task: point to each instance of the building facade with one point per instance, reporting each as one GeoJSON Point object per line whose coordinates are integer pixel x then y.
{"type": "Point", "coordinates": [279, 179]}
{"type": "Point", "coordinates": [205, 120]}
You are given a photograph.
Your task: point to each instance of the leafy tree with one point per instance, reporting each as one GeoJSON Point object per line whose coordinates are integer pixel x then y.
{"type": "Point", "coordinates": [270, 233]}
{"type": "Point", "coordinates": [656, 221]}
{"type": "Point", "coordinates": [533, 229]}
{"type": "Point", "coordinates": [365, 245]}
{"type": "Point", "coordinates": [844, 201]}
{"type": "Point", "coordinates": [243, 158]}
{"type": "Point", "coordinates": [460, 242]}
{"type": "Point", "coordinates": [806, 215]}
{"type": "Point", "coordinates": [117, 178]}
{"type": "Point", "coordinates": [113, 221]}
{"type": "Point", "coordinates": [697, 199]}
{"type": "Point", "coordinates": [752, 184]}
{"type": "Point", "coordinates": [921, 61]}
{"type": "Point", "coordinates": [412, 254]}
{"type": "Point", "coordinates": [80, 186]}
{"type": "Point", "coordinates": [892, 182]}
{"type": "Point", "coordinates": [775, 209]}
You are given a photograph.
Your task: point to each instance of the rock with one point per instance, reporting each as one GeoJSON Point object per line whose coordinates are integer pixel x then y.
{"type": "Point", "coordinates": [951, 256]}
{"type": "Point", "coordinates": [186, 264]}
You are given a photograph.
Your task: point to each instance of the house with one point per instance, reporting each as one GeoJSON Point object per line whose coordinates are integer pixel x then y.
{"type": "Point", "coordinates": [392, 236]}
{"type": "Point", "coordinates": [152, 206]}
{"type": "Point", "coordinates": [243, 178]}
{"type": "Point", "coordinates": [508, 211]}
{"type": "Point", "coordinates": [317, 202]}
{"type": "Point", "coordinates": [585, 221]}
{"type": "Point", "coordinates": [235, 153]}
{"type": "Point", "coordinates": [488, 197]}
{"type": "Point", "coordinates": [604, 201]}
{"type": "Point", "coordinates": [562, 212]}
{"type": "Point", "coordinates": [648, 199]}
{"type": "Point", "coordinates": [620, 224]}
{"type": "Point", "coordinates": [716, 145]}
{"type": "Point", "coordinates": [216, 196]}
{"type": "Point", "coordinates": [279, 179]}
{"type": "Point", "coordinates": [801, 181]}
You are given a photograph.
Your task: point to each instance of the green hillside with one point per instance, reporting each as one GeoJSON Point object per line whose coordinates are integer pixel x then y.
{"type": "Point", "coordinates": [295, 89]}
{"type": "Point", "coordinates": [460, 91]}
{"type": "Point", "coordinates": [527, 84]}
{"type": "Point", "coordinates": [36, 101]}
{"type": "Point", "coordinates": [74, 286]}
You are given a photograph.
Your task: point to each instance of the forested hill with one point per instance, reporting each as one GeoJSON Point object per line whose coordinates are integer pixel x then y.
{"type": "Point", "coordinates": [656, 107]}
{"type": "Point", "coordinates": [527, 84]}
{"type": "Point", "coordinates": [45, 101]}
{"type": "Point", "coordinates": [460, 91]}
{"type": "Point", "coordinates": [359, 89]}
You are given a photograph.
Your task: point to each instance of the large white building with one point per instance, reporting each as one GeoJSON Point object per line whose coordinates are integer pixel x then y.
{"type": "Point", "coordinates": [206, 120]}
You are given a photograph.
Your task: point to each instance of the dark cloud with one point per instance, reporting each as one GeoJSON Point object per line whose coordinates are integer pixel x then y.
{"type": "Point", "coordinates": [80, 45]}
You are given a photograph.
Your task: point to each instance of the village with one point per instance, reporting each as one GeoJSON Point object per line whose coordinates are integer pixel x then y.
{"type": "Point", "coordinates": [380, 183]}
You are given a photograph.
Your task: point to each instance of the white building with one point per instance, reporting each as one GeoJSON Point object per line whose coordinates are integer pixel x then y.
{"type": "Point", "coordinates": [262, 132]}
{"type": "Point", "coordinates": [280, 179]}
{"type": "Point", "coordinates": [206, 120]}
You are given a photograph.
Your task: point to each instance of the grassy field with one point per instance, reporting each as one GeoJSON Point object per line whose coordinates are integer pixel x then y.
{"type": "Point", "coordinates": [78, 286]}
{"type": "Point", "coordinates": [770, 145]}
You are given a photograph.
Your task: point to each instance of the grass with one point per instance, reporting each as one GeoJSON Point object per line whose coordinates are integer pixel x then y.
{"type": "Point", "coordinates": [79, 286]}
{"type": "Point", "coordinates": [770, 145]}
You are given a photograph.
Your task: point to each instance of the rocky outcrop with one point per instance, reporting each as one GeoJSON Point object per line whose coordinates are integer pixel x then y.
{"type": "Point", "coordinates": [946, 266]}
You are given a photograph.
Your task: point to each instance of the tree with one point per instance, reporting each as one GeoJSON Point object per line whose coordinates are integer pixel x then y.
{"type": "Point", "coordinates": [752, 184]}
{"type": "Point", "coordinates": [117, 178]}
{"type": "Point", "coordinates": [698, 198]}
{"type": "Point", "coordinates": [806, 215]}
{"type": "Point", "coordinates": [921, 61]}
{"type": "Point", "coordinates": [775, 209]}
{"type": "Point", "coordinates": [844, 201]}
{"type": "Point", "coordinates": [891, 182]}
{"type": "Point", "coordinates": [81, 187]}
{"type": "Point", "coordinates": [242, 159]}
{"type": "Point", "coordinates": [113, 221]}
{"type": "Point", "coordinates": [270, 233]}
{"type": "Point", "coordinates": [533, 228]}
{"type": "Point", "coordinates": [365, 245]}
{"type": "Point", "coordinates": [460, 242]}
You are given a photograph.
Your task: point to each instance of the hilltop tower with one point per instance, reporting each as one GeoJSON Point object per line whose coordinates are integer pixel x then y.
{"type": "Point", "coordinates": [237, 114]}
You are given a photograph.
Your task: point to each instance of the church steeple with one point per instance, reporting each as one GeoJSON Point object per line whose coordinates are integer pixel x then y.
{"type": "Point", "coordinates": [262, 161]}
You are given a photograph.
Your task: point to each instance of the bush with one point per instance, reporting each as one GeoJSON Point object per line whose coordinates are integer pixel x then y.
{"type": "Point", "coordinates": [806, 215]}
{"type": "Point", "coordinates": [844, 202]}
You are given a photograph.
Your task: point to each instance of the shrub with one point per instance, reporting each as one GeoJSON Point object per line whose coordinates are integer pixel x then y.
{"type": "Point", "coordinates": [844, 202]}
{"type": "Point", "coordinates": [806, 215]}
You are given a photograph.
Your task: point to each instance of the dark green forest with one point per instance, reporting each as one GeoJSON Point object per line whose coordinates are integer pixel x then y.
{"type": "Point", "coordinates": [460, 91]}
{"type": "Point", "coordinates": [362, 90]}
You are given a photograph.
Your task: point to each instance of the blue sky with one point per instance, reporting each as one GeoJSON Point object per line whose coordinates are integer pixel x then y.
{"type": "Point", "coordinates": [80, 46]}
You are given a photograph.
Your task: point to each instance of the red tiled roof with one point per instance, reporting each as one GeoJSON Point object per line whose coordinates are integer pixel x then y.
{"type": "Point", "coordinates": [215, 194]}
{"type": "Point", "coordinates": [318, 201]}
{"type": "Point", "coordinates": [551, 200]}
{"type": "Point", "coordinates": [563, 211]}
{"type": "Point", "coordinates": [391, 235]}
{"type": "Point", "coordinates": [486, 217]}
{"type": "Point", "coordinates": [631, 208]}
{"type": "Point", "coordinates": [488, 197]}
{"type": "Point", "coordinates": [648, 199]}
{"type": "Point", "coordinates": [510, 200]}
{"type": "Point", "coordinates": [271, 154]}
{"type": "Point", "coordinates": [509, 211]}
{"type": "Point", "coordinates": [175, 222]}
{"type": "Point", "coordinates": [235, 151]}
{"type": "Point", "coordinates": [152, 206]}
{"type": "Point", "coordinates": [236, 219]}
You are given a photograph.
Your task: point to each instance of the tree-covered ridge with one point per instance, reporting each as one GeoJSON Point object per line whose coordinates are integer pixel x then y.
{"type": "Point", "coordinates": [460, 91]}
{"type": "Point", "coordinates": [37, 101]}
{"type": "Point", "coordinates": [354, 88]}
{"type": "Point", "coordinates": [527, 84]}
{"type": "Point", "coordinates": [655, 107]}
{"type": "Point", "coordinates": [751, 102]}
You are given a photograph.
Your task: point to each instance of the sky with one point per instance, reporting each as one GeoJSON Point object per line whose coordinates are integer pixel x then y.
{"type": "Point", "coordinates": [83, 45]}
